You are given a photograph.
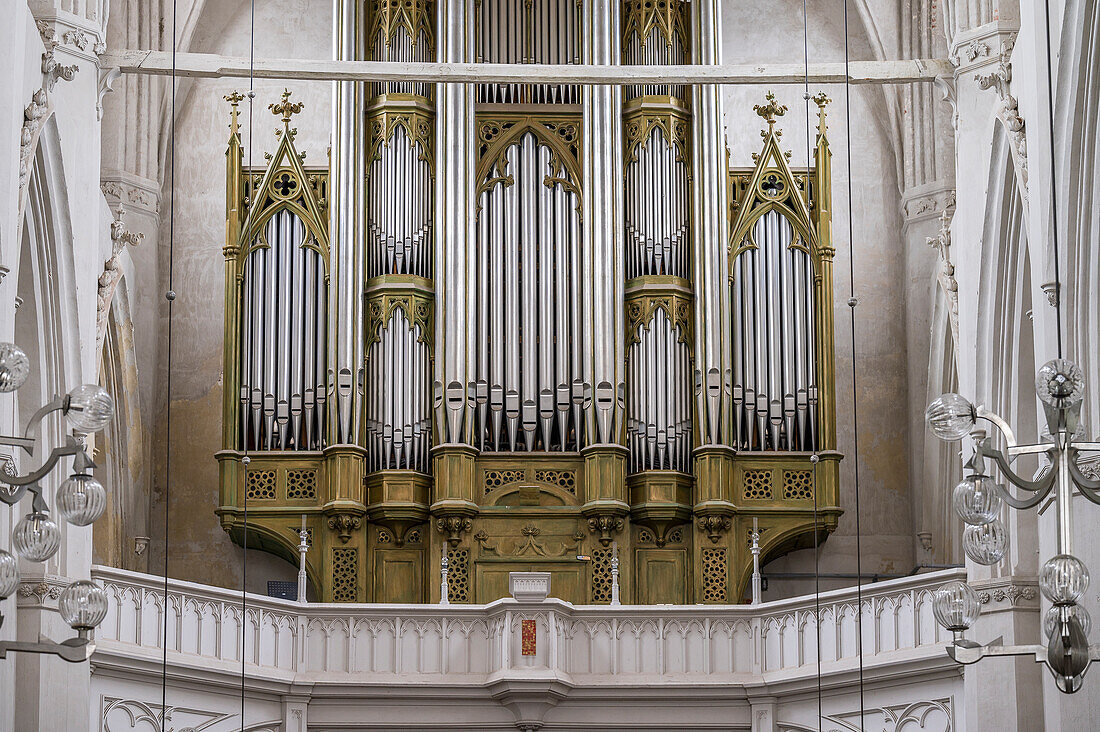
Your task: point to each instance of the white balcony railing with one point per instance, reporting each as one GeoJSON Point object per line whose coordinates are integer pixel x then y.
{"type": "Point", "coordinates": [212, 628]}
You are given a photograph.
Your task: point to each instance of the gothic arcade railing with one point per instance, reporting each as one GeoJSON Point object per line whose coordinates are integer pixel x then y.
{"type": "Point", "coordinates": [733, 643]}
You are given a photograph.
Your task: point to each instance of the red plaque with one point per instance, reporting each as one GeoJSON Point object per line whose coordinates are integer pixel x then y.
{"type": "Point", "coordinates": [528, 638]}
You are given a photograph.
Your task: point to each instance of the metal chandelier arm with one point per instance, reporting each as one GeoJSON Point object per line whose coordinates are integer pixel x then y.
{"type": "Point", "coordinates": [1044, 484]}
{"type": "Point", "coordinates": [999, 423]}
{"type": "Point", "coordinates": [1090, 488]}
{"type": "Point", "coordinates": [72, 447]}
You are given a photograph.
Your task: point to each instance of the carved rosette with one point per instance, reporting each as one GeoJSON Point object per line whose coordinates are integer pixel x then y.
{"type": "Point", "coordinates": [343, 524]}
{"type": "Point", "coordinates": [453, 527]}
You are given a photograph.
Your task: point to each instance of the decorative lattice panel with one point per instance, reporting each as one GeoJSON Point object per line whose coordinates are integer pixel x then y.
{"type": "Point", "coordinates": [676, 536]}
{"type": "Point", "coordinates": [601, 575]}
{"type": "Point", "coordinates": [261, 485]}
{"type": "Point", "coordinates": [497, 478]}
{"type": "Point", "coordinates": [413, 537]}
{"type": "Point", "coordinates": [301, 485]}
{"type": "Point", "coordinates": [384, 537]}
{"type": "Point", "coordinates": [345, 574]}
{"type": "Point", "coordinates": [758, 484]}
{"type": "Point", "coordinates": [714, 575]}
{"type": "Point", "coordinates": [798, 485]}
{"type": "Point", "coordinates": [564, 479]}
{"type": "Point", "coordinates": [458, 575]}
{"type": "Point", "coordinates": [645, 536]}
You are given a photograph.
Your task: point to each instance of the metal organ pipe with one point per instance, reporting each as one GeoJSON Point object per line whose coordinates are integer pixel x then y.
{"type": "Point", "coordinates": [282, 290]}
{"type": "Point", "coordinates": [528, 31]}
{"type": "Point", "coordinates": [775, 361]}
{"type": "Point", "coordinates": [529, 233]}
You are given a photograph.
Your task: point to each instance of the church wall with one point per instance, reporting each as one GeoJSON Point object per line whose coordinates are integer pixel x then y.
{"type": "Point", "coordinates": [199, 550]}
{"type": "Point", "coordinates": [881, 317]}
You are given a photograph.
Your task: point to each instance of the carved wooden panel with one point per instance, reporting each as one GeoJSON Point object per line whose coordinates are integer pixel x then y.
{"type": "Point", "coordinates": [662, 576]}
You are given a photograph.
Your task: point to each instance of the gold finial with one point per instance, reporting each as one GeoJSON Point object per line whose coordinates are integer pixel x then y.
{"type": "Point", "coordinates": [771, 110]}
{"type": "Point", "coordinates": [234, 100]}
{"type": "Point", "coordinates": [821, 101]}
{"type": "Point", "coordinates": [286, 108]}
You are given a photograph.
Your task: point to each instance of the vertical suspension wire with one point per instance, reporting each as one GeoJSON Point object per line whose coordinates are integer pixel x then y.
{"type": "Point", "coordinates": [245, 459]}
{"type": "Point", "coordinates": [1053, 184]}
{"type": "Point", "coordinates": [815, 459]}
{"type": "Point", "coordinates": [852, 303]}
{"type": "Point", "coordinates": [170, 296]}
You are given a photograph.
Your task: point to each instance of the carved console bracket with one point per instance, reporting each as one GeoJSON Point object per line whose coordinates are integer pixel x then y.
{"type": "Point", "coordinates": [453, 527]}
{"type": "Point", "coordinates": [343, 524]}
{"type": "Point", "coordinates": [714, 525]}
{"type": "Point", "coordinates": [606, 525]}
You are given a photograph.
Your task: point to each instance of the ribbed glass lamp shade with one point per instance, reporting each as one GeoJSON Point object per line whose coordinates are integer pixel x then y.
{"type": "Point", "coordinates": [9, 574]}
{"type": "Point", "coordinates": [36, 537]}
{"type": "Point", "coordinates": [1053, 619]}
{"type": "Point", "coordinates": [1063, 579]}
{"type": "Point", "coordinates": [14, 367]}
{"type": "Point", "coordinates": [950, 417]}
{"type": "Point", "coordinates": [986, 544]}
{"type": "Point", "coordinates": [956, 606]}
{"type": "Point", "coordinates": [976, 500]}
{"type": "Point", "coordinates": [81, 499]}
{"type": "Point", "coordinates": [90, 408]}
{"type": "Point", "coordinates": [1060, 384]}
{"type": "Point", "coordinates": [82, 605]}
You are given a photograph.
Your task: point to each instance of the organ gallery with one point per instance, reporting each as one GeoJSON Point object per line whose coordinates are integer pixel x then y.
{"type": "Point", "coordinates": [579, 338]}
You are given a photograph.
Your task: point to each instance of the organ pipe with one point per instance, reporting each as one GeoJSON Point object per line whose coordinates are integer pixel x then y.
{"type": "Point", "coordinates": [527, 391]}
{"type": "Point", "coordinates": [528, 32]}
{"type": "Point", "coordinates": [658, 244]}
{"type": "Point", "coordinates": [774, 356]}
{"type": "Point", "coordinates": [282, 326]}
{"type": "Point", "coordinates": [399, 243]}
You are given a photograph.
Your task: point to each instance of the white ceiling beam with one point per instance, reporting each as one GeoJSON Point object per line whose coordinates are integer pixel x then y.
{"type": "Point", "coordinates": [212, 66]}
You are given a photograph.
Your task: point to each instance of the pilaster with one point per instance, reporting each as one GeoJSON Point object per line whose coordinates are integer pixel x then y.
{"type": "Point", "coordinates": [710, 227]}
{"type": "Point", "coordinates": [456, 265]}
{"type": "Point", "coordinates": [346, 265]}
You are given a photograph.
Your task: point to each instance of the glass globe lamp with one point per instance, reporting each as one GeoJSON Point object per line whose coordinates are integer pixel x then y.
{"type": "Point", "coordinates": [951, 417]}
{"type": "Point", "coordinates": [986, 544]}
{"type": "Point", "coordinates": [9, 574]}
{"type": "Point", "coordinates": [89, 409]}
{"type": "Point", "coordinates": [36, 538]}
{"type": "Point", "coordinates": [14, 367]}
{"type": "Point", "coordinates": [1063, 579]}
{"type": "Point", "coordinates": [1060, 384]}
{"type": "Point", "coordinates": [956, 606]}
{"type": "Point", "coordinates": [82, 605]}
{"type": "Point", "coordinates": [977, 500]}
{"type": "Point", "coordinates": [81, 499]}
{"type": "Point", "coordinates": [1053, 619]}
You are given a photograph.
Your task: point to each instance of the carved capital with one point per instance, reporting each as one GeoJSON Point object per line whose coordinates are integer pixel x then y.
{"type": "Point", "coordinates": [453, 527]}
{"type": "Point", "coordinates": [343, 524]}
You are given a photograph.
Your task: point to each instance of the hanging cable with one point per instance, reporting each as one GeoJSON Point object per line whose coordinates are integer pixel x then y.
{"type": "Point", "coordinates": [852, 303]}
{"type": "Point", "coordinates": [170, 296]}
{"type": "Point", "coordinates": [245, 459]}
{"type": "Point", "coordinates": [815, 459]}
{"type": "Point", "coordinates": [1054, 186]}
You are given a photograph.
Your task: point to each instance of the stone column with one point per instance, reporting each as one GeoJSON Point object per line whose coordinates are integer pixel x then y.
{"type": "Point", "coordinates": [1010, 606]}
{"type": "Point", "coordinates": [602, 259]}
{"type": "Point", "coordinates": [51, 693]}
{"type": "Point", "coordinates": [453, 500]}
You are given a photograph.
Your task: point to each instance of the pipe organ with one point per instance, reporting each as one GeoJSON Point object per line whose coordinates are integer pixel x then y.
{"type": "Point", "coordinates": [530, 304]}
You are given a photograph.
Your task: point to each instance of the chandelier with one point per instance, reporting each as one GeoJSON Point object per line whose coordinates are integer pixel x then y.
{"type": "Point", "coordinates": [81, 499]}
{"type": "Point", "coordinates": [978, 500]}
